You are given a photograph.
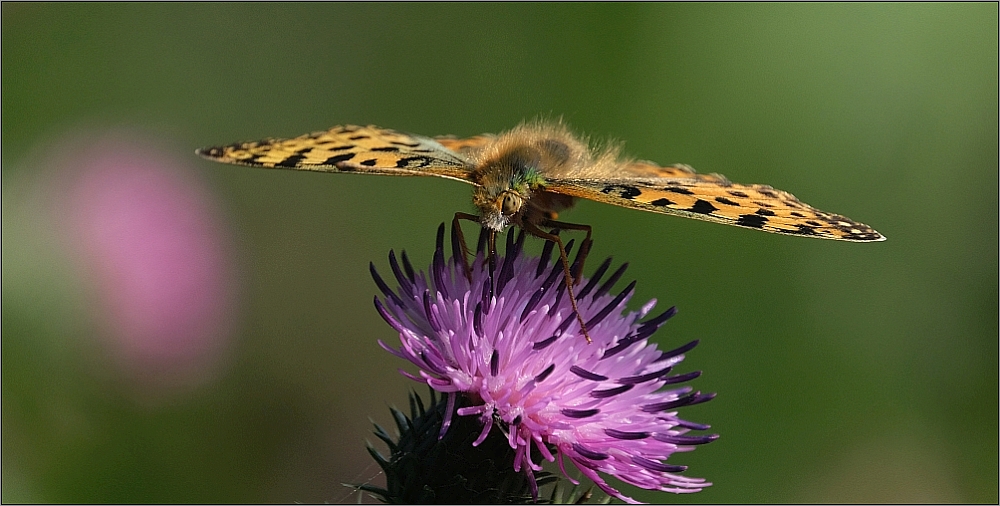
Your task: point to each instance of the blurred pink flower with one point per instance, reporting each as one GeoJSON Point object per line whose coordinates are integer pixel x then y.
{"type": "Point", "coordinates": [149, 238]}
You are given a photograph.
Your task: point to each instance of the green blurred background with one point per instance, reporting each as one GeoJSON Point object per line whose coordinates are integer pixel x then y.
{"type": "Point", "coordinates": [845, 372]}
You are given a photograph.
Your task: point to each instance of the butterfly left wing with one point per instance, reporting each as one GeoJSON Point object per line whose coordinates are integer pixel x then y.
{"type": "Point", "coordinates": [468, 146]}
{"type": "Point", "coordinates": [711, 197]}
{"type": "Point", "coordinates": [349, 148]}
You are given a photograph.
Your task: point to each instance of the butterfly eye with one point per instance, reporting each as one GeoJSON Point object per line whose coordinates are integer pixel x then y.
{"type": "Point", "coordinates": [511, 204]}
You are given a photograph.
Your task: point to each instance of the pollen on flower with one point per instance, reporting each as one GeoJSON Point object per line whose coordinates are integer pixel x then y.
{"type": "Point", "coordinates": [509, 344]}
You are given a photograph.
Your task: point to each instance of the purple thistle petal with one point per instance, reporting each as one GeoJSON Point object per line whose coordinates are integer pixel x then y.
{"type": "Point", "coordinates": [541, 292]}
{"type": "Point", "coordinates": [571, 319]}
{"type": "Point", "coordinates": [430, 314]}
{"type": "Point", "coordinates": [686, 400]}
{"type": "Point", "coordinates": [685, 440]}
{"type": "Point", "coordinates": [621, 434]}
{"type": "Point", "coordinates": [505, 340]}
{"type": "Point", "coordinates": [481, 242]}
{"type": "Point", "coordinates": [543, 261]}
{"type": "Point", "coordinates": [601, 269]}
{"type": "Point", "coordinates": [408, 267]}
{"type": "Point", "coordinates": [541, 345]}
{"type": "Point", "coordinates": [507, 264]}
{"type": "Point", "coordinates": [456, 249]}
{"type": "Point", "coordinates": [487, 425]}
{"type": "Point", "coordinates": [656, 321]}
{"type": "Point", "coordinates": [693, 426]}
{"type": "Point", "coordinates": [590, 454]}
{"type": "Point", "coordinates": [611, 281]}
{"type": "Point", "coordinates": [679, 351]}
{"type": "Point", "coordinates": [545, 374]}
{"type": "Point", "coordinates": [404, 284]}
{"type": "Point", "coordinates": [486, 300]}
{"type": "Point", "coordinates": [585, 374]}
{"type": "Point", "coordinates": [388, 316]}
{"type": "Point", "coordinates": [680, 378]}
{"type": "Point", "coordinates": [579, 413]}
{"type": "Point", "coordinates": [437, 269]}
{"type": "Point", "coordinates": [620, 347]}
{"type": "Point", "coordinates": [383, 287]}
{"type": "Point", "coordinates": [449, 409]}
{"type": "Point", "coordinates": [634, 380]}
{"type": "Point", "coordinates": [562, 467]}
{"type": "Point", "coordinates": [439, 238]}
{"type": "Point", "coordinates": [591, 323]}
{"type": "Point", "coordinates": [581, 254]}
{"type": "Point", "coordinates": [477, 319]}
{"type": "Point", "coordinates": [611, 392]}
{"type": "Point", "coordinates": [653, 465]}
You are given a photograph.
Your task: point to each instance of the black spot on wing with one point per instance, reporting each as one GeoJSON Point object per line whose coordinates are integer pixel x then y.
{"type": "Point", "coordinates": [703, 207]}
{"type": "Point", "coordinates": [736, 193]}
{"type": "Point", "coordinates": [751, 220]}
{"type": "Point", "coordinates": [724, 200]}
{"type": "Point", "coordinates": [765, 212]}
{"type": "Point", "coordinates": [358, 137]}
{"type": "Point", "coordinates": [864, 236]}
{"type": "Point", "coordinates": [214, 151]}
{"type": "Point", "coordinates": [797, 214]}
{"type": "Point", "coordinates": [412, 162]}
{"type": "Point", "coordinates": [291, 161]}
{"type": "Point", "coordinates": [368, 163]}
{"type": "Point", "coordinates": [626, 192]}
{"type": "Point", "coordinates": [675, 189]}
{"type": "Point", "coordinates": [388, 149]}
{"type": "Point", "coordinates": [304, 150]}
{"type": "Point", "coordinates": [661, 202]}
{"type": "Point", "coordinates": [334, 160]}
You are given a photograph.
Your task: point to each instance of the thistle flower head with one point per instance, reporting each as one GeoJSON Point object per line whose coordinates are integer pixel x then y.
{"type": "Point", "coordinates": [510, 345]}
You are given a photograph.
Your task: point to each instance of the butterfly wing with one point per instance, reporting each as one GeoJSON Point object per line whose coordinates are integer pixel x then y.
{"type": "Point", "coordinates": [678, 190]}
{"type": "Point", "coordinates": [644, 169]}
{"type": "Point", "coordinates": [467, 147]}
{"type": "Point", "coordinates": [349, 148]}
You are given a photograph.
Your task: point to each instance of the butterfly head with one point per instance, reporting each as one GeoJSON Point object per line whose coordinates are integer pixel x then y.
{"type": "Point", "coordinates": [500, 211]}
{"type": "Point", "coordinates": [504, 187]}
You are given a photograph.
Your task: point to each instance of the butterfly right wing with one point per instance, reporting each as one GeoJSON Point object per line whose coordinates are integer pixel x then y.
{"type": "Point", "coordinates": [678, 190]}
{"type": "Point", "coordinates": [349, 148]}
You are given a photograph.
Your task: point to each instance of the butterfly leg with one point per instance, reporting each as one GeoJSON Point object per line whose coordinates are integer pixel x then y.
{"type": "Point", "coordinates": [534, 230]}
{"type": "Point", "coordinates": [581, 255]}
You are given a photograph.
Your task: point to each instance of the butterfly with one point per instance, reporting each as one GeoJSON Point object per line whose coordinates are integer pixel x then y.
{"type": "Point", "coordinates": [527, 175]}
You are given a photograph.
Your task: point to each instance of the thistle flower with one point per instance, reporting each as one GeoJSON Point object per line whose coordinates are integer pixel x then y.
{"type": "Point", "coordinates": [507, 349]}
